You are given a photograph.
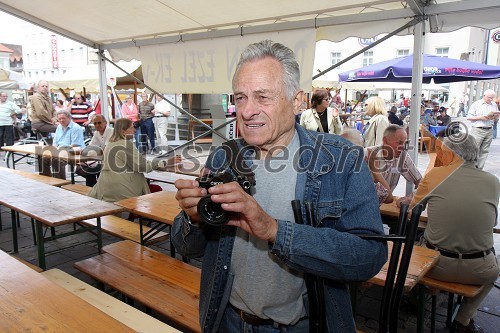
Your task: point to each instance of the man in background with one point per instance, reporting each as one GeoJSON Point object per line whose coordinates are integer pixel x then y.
{"type": "Point", "coordinates": [160, 120]}
{"type": "Point", "coordinates": [482, 114]}
{"type": "Point", "coordinates": [8, 110]}
{"type": "Point", "coordinates": [81, 112]}
{"type": "Point", "coordinates": [68, 135]}
{"type": "Point", "coordinates": [41, 110]}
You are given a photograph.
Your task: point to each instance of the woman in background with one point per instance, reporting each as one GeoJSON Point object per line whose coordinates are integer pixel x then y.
{"type": "Point", "coordinates": [130, 111]}
{"type": "Point", "coordinates": [373, 131]}
{"type": "Point", "coordinates": [320, 117]}
{"type": "Point", "coordinates": [122, 174]}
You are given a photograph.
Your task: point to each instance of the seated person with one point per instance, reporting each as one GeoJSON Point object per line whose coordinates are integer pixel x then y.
{"type": "Point", "coordinates": [462, 233]}
{"type": "Point", "coordinates": [443, 119]}
{"type": "Point", "coordinates": [122, 174]}
{"type": "Point", "coordinates": [68, 136]}
{"type": "Point", "coordinates": [102, 134]}
{"type": "Point", "coordinates": [426, 118]}
{"type": "Point", "coordinates": [383, 189]}
{"type": "Point", "coordinates": [393, 118]}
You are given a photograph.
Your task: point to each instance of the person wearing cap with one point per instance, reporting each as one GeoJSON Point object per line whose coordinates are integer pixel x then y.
{"type": "Point", "coordinates": [443, 119]}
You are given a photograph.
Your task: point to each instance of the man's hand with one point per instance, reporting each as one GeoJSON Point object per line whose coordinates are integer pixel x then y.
{"type": "Point", "coordinates": [188, 195]}
{"type": "Point", "coordinates": [244, 211]}
{"type": "Point", "coordinates": [404, 200]}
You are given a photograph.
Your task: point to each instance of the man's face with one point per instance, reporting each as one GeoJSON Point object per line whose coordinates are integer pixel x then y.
{"type": "Point", "coordinates": [3, 97]}
{"type": "Point", "coordinates": [396, 142]}
{"type": "Point", "coordinates": [63, 120]}
{"type": "Point", "coordinates": [265, 115]}
{"type": "Point", "coordinates": [78, 99]}
{"type": "Point", "coordinates": [488, 98]}
{"type": "Point", "coordinates": [43, 87]}
{"type": "Point", "coordinates": [144, 98]}
{"type": "Point", "coordinates": [99, 124]}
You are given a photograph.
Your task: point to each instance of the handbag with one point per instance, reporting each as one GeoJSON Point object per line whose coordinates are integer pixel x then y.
{"type": "Point", "coordinates": [137, 124]}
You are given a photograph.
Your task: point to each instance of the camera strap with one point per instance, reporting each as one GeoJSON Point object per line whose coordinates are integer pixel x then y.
{"type": "Point", "coordinates": [235, 158]}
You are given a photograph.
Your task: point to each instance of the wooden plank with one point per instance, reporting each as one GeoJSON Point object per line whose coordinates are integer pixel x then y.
{"type": "Point", "coordinates": [159, 206]}
{"type": "Point", "coordinates": [40, 178]}
{"type": "Point", "coordinates": [77, 188]}
{"type": "Point", "coordinates": [466, 290]}
{"type": "Point", "coordinates": [130, 316]}
{"type": "Point", "coordinates": [29, 302]}
{"type": "Point", "coordinates": [158, 264]}
{"type": "Point", "coordinates": [125, 229]}
{"type": "Point", "coordinates": [166, 177]}
{"type": "Point", "coordinates": [167, 298]}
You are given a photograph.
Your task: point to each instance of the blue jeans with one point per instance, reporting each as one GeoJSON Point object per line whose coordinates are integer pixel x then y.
{"type": "Point", "coordinates": [147, 129]}
{"type": "Point", "coordinates": [231, 322]}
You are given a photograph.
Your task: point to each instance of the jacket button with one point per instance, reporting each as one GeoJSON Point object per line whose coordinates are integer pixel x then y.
{"type": "Point", "coordinates": [225, 267]}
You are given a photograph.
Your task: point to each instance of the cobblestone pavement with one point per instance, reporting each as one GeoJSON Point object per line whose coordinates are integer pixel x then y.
{"type": "Point", "coordinates": [368, 301]}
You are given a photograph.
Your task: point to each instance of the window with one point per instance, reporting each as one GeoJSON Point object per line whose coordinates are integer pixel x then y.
{"type": "Point", "coordinates": [29, 75]}
{"type": "Point", "coordinates": [43, 56]}
{"type": "Point", "coordinates": [63, 54]}
{"type": "Point", "coordinates": [442, 51]}
{"type": "Point", "coordinates": [35, 57]}
{"type": "Point", "coordinates": [27, 57]}
{"type": "Point", "coordinates": [403, 52]}
{"type": "Point", "coordinates": [367, 58]}
{"type": "Point", "coordinates": [335, 58]}
{"type": "Point", "coordinates": [81, 52]}
{"type": "Point", "coordinates": [71, 54]}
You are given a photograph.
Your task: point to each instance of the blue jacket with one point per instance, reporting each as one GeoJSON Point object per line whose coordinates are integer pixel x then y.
{"type": "Point", "coordinates": [338, 182]}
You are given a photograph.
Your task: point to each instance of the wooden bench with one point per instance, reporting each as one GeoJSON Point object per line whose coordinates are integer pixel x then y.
{"type": "Point", "coordinates": [452, 288]}
{"type": "Point", "coordinates": [40, 178]}
{"type": "Point", "coordinates": [125, 229]}
{"type": "Point", "coordinates": [164, 284]}
{"type": "Point", "coordinates": [128, 315]}
{"type": "Point", "coordinates": [78, 188]}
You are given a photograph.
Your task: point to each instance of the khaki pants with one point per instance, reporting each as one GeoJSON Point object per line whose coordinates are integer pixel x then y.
{"type": "Point", "coordinates": [483, 139]}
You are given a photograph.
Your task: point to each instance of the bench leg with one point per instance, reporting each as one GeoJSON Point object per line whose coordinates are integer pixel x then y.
{"type": "Point", "coordinates": [449, 312]}
{"type": "Point", "coordinates": [33, 230]}
{"type": "Point", "coordinates": [14, 231]}
{"type": "Point", "coordinates": [420, 308]}
{"type": "Point", "coordinates": [433, 313]}
{"type": "Point", "coordinates": [41, 245]}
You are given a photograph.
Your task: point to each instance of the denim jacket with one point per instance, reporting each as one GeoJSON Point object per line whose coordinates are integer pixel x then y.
{"type": "Point", "coordinates": [338, 182]}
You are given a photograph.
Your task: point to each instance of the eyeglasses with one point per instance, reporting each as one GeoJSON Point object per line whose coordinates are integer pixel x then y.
{"type": "Point", "coordinates": [97, 122]}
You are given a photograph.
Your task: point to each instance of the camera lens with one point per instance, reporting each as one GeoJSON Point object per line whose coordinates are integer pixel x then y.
{"type": "Point", "coordinates": [212, 213]}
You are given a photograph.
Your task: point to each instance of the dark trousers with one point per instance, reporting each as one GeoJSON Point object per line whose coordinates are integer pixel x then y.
{"type": "Point", "coordinates": [147, 131]}
{"type": "Point", "coordinates": [6, 135]}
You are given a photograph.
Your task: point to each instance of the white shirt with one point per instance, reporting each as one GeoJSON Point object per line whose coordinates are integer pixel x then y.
{"type": "Point", "coordinates": [100, 140]}
{"type": "Point", "coordinates": [163, 107]}
{"type": "Point", "coordinates": [481, 108]}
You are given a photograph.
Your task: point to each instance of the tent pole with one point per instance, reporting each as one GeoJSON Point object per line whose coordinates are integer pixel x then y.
{"type": "Point", "coordinates": [416, 88]}
{"type": "Point", "coordinates": [103, 87]}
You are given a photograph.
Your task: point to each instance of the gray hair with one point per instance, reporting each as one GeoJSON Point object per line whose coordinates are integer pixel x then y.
{"type": "Point", "coordinates": [489, 92]}
{"type": "Point", "coordinates": [64, 112]}
{"type": "Point", "coordinates": [391, 130]}
{"type": "Point", "coordinates": [464, 145]}
{"type": "Point", "coordinates": [352, 135]}
{"type": "Point", "coordinates": [284, 55]}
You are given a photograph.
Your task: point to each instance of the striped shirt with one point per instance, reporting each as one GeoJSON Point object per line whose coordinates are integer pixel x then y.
{"type": "Point", "coordinates": [392, 169]}
{"type": "Point", "coordinates": [81, 113]}
{"type": "Point", "coordinates": [481, 108]}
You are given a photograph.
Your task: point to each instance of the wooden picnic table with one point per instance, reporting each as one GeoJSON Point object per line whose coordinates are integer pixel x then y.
{"type": "Point", "coordinates": [166, 177]}
{"type": "Point", "coordinates": [29, 302]}
{"type": "Point", "coordinates": [161, 207]}
{"type": "Point", "coordinates": [50, 206]}
{"type": "Point", "coordinates": [392, 210]}
{"type": "Point", "coordinates": [421, 261]}
{"type": "Point", "coordinates": [37, 150]}
{"type": "Point", "coordinates": [41, 178]}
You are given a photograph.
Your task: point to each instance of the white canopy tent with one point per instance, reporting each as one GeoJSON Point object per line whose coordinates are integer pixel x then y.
{"type": "Point", "coordinates": [192, 46]}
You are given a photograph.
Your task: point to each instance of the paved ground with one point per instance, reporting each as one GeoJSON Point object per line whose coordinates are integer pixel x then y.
{"type": "Point", "coordinates": [368, 300]}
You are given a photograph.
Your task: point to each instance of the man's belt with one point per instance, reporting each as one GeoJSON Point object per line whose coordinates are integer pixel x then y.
{"type": "Point", "coordinates": [450, 254]}
{"type": "Point", "coordinates": [484, 128]}
{"type": "Point", "coordinates": [160, 116]}
{"type": "Point", "coordinates": [252, 319]}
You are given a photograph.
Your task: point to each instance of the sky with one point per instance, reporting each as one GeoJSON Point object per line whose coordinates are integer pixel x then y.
{"type": "Point", "coordinates": [10, 29]}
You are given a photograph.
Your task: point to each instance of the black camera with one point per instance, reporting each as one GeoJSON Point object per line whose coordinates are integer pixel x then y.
{"type": "Point", "coordinates": [211, 212]}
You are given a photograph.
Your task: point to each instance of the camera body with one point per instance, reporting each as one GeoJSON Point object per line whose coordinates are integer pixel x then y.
{"type": "Point", "coordinates": [212, 213]}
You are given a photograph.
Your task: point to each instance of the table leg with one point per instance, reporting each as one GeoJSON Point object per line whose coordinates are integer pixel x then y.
{"type": "Point", "coordinates": [420, 308]}
{"type": "Point", "coordinates": [14, 230]}
{"type": "Point", "coordinates": [13, 160]}
{"type": "Point", "coordinates": [141, 231]}
{"type": "Point", "coordinates": [99, 235]}
{"type": "Point", "coordinates": [72, 171]}
{"type": "Point", "coordinates": [41, 245]}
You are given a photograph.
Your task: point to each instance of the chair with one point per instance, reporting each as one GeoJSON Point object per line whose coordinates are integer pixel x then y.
{"type": "Point", "coordinates": [423, 140]}
{"type": "Point", "coordinates": [398, 267]}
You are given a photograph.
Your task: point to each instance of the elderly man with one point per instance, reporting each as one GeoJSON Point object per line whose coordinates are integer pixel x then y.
{"type": "Point", "coordinates": [261, 249]}
{"type": "Point", "coordinates": [68, 136]}
{"type": "Point", "coordinates": [462, 233]}
{"type": "Point", "coordinates": [41, 110]}
{"type": "Point", "coordinates": [161, 111]}
{"type": "Point", "coordinates": [391, 160]}
{"type": "Point", "coordinates": [7, 110]}
{"type": "Point", "coordinates": [481, 114]}
{"type": "Point", "coordinates": [102, 134]}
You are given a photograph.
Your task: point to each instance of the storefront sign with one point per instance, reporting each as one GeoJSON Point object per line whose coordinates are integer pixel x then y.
{"type": "Point", "coordinates": [53, 47]}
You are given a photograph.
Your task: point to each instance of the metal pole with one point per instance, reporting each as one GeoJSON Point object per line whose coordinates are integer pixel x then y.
{"type": "Point", "coordinates": [103, 87]}
{"type": "Point", "coordinates": [416, 89]}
